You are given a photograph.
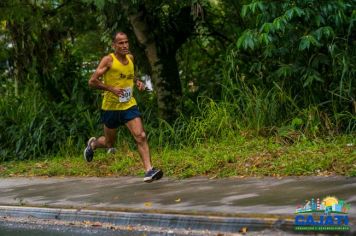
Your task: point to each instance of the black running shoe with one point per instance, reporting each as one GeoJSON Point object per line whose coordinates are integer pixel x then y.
{"type": "Point", "coordinates": [88, 151]}
{"type": "Point", "coordinates": [153, 174]}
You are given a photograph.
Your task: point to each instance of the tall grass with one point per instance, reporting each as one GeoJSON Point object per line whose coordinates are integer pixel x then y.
{"type": "Point", "coordinates": [275, 109]}
{"type": "Point", "coordinates": [272, 112]}
{"type": "Point", "coordinates": [211, 121]}
{"type": "Point", "coordinates": [32, 126]}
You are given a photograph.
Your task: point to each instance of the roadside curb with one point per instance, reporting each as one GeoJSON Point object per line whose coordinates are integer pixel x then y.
{"type": "Point", "coordinates": [170, 221]}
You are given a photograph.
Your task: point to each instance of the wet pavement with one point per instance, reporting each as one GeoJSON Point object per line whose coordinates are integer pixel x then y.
{"type": "Point", "coordinates": [272, 200]}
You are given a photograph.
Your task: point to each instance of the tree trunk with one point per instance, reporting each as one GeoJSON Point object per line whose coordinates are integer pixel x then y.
{"type": "Point", "coordinates": [19, 56]}
{"type": "Point", "coordinates": [164, 69]}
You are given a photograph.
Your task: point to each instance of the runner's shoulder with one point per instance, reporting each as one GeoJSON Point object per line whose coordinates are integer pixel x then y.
{"type": "Point", "coordinates": [131, 57]}
{"type": "Point", "coordinates": [107, 60]}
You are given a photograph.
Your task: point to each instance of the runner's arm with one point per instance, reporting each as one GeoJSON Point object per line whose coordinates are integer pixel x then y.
{"type": "Point", "coordinates": [95, 82]}
{"type": "Point", "coordinates": [139, 84]}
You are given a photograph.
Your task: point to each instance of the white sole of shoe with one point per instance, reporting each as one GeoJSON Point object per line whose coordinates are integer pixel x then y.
{"type": "Point", "coordinates": [158, 175]}
{"type": "Point", "coordinates": [92, 139]}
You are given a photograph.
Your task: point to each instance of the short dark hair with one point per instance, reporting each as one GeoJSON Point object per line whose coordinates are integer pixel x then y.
{"type": "Point", "coordinates": [115, 34]}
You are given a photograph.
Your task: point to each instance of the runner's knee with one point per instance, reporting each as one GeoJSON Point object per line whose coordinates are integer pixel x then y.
{"type": "Point", "coordinates": [140, 137]}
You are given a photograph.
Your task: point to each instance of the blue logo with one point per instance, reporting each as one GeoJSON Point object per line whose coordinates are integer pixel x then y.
{"type": "Point", "coordinates": [329, 214]}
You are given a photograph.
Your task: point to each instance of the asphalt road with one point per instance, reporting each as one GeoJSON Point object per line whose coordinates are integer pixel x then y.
{"type": "Point", "coordinates": [215, 205]}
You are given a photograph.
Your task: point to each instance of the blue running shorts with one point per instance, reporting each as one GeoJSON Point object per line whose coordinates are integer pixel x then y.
{"type": "Point", "coordinates": [113, 119]}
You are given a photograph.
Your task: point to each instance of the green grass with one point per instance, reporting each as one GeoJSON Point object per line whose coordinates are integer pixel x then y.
{"type": "Point", "coordinates": [242, 155]}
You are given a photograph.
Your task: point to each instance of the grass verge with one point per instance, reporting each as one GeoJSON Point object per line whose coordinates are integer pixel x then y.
{"type": "Point", "coordinates": [241, 155]}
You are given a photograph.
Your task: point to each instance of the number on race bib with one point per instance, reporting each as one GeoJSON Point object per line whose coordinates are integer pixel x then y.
{"type": "Point", "coordinates": [126, 96]}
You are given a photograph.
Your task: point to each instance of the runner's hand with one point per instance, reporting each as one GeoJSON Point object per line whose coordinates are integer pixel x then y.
{"type": "Point", "coordinates": [140, 85]}
{"type": "Point", "coordinates": [117, 91]}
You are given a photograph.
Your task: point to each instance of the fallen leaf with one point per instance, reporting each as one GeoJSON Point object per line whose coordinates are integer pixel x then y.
{"type": "Point", "coordinates": [38, 165]}
{"type": "Point", "coordinates": [148, 204]}
{"type": "Point", "coordinates": [178, 200]}
{"type": "Point", "coordinates": [96, 224]}
{"type": "Point", "coordinates": [243, 230]}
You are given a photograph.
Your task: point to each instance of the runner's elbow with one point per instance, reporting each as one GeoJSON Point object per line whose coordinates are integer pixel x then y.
{"type": "Point", "coordinates": [91, 83]}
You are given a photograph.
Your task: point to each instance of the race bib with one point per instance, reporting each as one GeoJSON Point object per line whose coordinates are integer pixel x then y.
{"type": "Point", "coordinates": [126, 96]}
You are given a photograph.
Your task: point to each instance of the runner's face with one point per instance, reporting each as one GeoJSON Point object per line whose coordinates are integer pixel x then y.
{"type": "Point", "coordinates": [121, 44]}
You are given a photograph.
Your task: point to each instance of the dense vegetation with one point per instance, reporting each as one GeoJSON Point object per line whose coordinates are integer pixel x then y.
{"type": "Point", "coordinates": [220, 69]}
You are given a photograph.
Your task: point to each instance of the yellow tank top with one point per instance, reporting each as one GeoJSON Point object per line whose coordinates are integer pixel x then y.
{"type": "Point", "coordinates": [120, 76]}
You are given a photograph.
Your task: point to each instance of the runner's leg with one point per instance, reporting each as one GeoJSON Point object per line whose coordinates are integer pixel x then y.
{"type": "Point", "coordinates": [106, 141]}
{"type": "Point", "coordinates": [136, 128]}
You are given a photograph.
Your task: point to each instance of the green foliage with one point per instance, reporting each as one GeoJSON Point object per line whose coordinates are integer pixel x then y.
{"type": "Point", "coordinates": [241, 155]}
{"type": "Point", "coordinates": [33, 126]}
{"type": "Point", "coordinates": [211, 121]}
{"type": "Point", "coordinates": [283, 68]}
{"type": "Point", "coordinates": [303, 48]}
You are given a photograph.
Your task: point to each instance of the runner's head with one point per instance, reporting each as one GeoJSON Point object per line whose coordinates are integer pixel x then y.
{"type": "Point", "coordinates": [121, 44]}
